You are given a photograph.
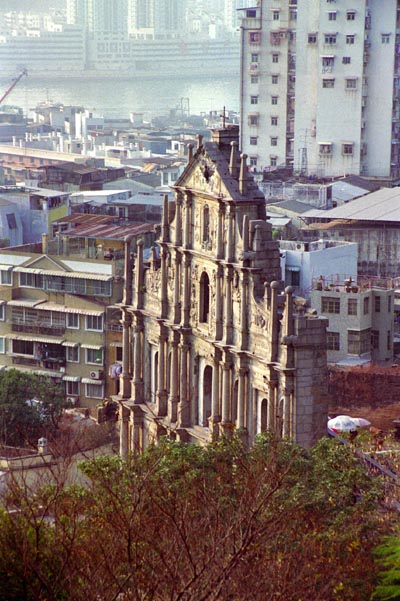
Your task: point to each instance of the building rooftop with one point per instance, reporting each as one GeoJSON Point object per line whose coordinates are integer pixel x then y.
{"type": "Point", "coordinates": [382, 205]}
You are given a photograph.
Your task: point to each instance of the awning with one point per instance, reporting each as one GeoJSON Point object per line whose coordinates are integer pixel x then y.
{"type": "Point", "coordinates": [63, 309]}
{"type": "Point", "coordinates": [65, 274]}
{"type": "Point", "coordinates": [292, 268]}
{"type": "Point", "coordinates": [6, 267]}
{"type": "Point", "coordinates": [93, 347]}
{"type": "Point", "coordinates": [37, 372]}
{"type": "Point", "coordinates": [25, 303]}
{"type": "Point", "coordinates": [71, 378]}
{"type": "Point", "coordinates": [89, 381]}
{"type": "Point", "coordinates": [34, 339]}
{"type": "Point", "coordinates": [70, 344]}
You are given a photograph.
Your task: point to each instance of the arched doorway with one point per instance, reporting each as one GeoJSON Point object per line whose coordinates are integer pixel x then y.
{"type": "Point", "coordinates": [234, 407]}
{"type": "Point", "coordinates": [264, 415]}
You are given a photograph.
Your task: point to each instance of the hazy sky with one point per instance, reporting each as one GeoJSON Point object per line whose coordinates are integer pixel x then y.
{"type": "Point", "coordinates": [33, 6]}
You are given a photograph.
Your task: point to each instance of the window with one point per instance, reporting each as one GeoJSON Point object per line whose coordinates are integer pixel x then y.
{"type": "Point", "coordinates": [389, 304]}
{"type": "Point", "coordinates": [352, 306]}
{"type": "Point", "coordinates": [274, 79]}
{"type": "Point", "coordinates": [273, 161]}
{"type": "Point", "coordinates": [206, 224]}
{"type": "Point", "coordinates": [94, 391]}
{"type": "Point", "coordinates": [254, 37]}
{"type": "Point", "coordinates": [31, 280]}
{"type": "Point", "coordinates": [351, 15]}
{"type": "Point", "coordinates": [325, 148]}
{"type": "Point", "coordinates": [358, 342]}
{"type": "Point", "coordinates": [274, 141]}
{"type": "Point", "coordinates": [330, 304]}
{"type": "Point", "coordinates": [6, 277]}
{"type": "Point", "coordinates": [295, 278]}
{"type": "Point", "coordinates": [22, 347]}
{"type": "Point", "coordinates": [274, 99]}
{"type": "Point", "coordinates": [94, 322]}
{"type": "Point", "coordinates": [274, 120]}
{"type": "Point", "coordinates": [347, 149]}
{"type": "Point", "coordinates": [73, 321]}
{"type": "Point", "coordinates": [346, 60]}
{"type": "Point", "coordinates": [275, 57]}
{"type": "Point", "coordinates": [253, 140]}
{"type": "Point", "coordinates": [366, 305]}
{"type": "Point", "coordinates": [333, 341]}
{"type": "Point", "coordinates": [328, 83]}
{"type": "Point", "coordinates": [94, 356]}
{"type": "Point", "coordinates": [328, 61]}
{"type": "Point", "coordinates": [204, 298]}
{"type": "Point", "coordinates": [375, 339]}
{"type": "Point", "coordinates": [72, 388]}
{"type": "Point", "coordinates": [251, 13]}
{"type": "Point", "coordinates": [385, 38]}
{"type": "Point", "coordinates": [293, 14]}
{"type": "Point", "coordinates": [350, 39]}
{"type": "Point", "coordinates": [253, 119]}
{"type": "Point", "coordinates": [253, 161]}
{"type": "Point", "coordinates": [377, 304]}
{"type": "Point", "coordinates": [275, 15]}
{"type": "Point", "coordinates": [332, 15]}
{"type": "Point", "coordinates": [312, 38]}
{"type": "Point", "coordinates": [2, 344]}
{"type": "Point", "coordinates": [72, 354]}
{"type": "Point", "coordinates": [351, 83]}
{"type": "Point", "coordinates": [253, 99]}
{"type": "Point", "coordinates": [330, 38]}
{"type": "Point", "coordinates": [389, 340]}
{"type": "Point", "coordinates": [254, 58]}
{"type": "Point", "coordinates": [253, 78]}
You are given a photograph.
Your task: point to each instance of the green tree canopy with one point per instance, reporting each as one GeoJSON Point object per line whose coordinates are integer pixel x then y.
{"type": "Point", "coordinates": [182, 522]}
{"type": "Point", "coordinates": [22, 421]}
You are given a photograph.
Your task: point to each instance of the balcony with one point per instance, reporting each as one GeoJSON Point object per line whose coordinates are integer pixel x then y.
{"type": "Point", "coordinates": [43, 328]}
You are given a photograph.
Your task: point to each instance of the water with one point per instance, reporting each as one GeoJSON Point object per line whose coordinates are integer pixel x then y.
{"type": "Point", "coordinates": [118, 98]}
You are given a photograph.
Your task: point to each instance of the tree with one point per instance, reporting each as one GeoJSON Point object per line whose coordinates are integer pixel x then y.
{"type": "Point", "coordinates": [22, 421]}
{"type": "Point", "coordinates": [183, 522]}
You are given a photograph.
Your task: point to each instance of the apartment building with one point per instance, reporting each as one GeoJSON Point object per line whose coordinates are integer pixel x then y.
{"type": "Point", "coordinates": [346, 70]}
{"type": "Point", "coordinates": [361, 318]}
{"type": "Point", "coordinates": [58, 312]}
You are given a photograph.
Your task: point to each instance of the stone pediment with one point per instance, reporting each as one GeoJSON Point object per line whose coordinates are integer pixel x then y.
{"type": "Point", "coordinates": [203, 175]}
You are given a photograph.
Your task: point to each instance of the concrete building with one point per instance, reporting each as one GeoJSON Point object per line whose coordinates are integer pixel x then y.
{"type": "Point", "coordinates": [361, 318]}
{"type": "Point", "coordinates": [345, 63]}
{"type": "Point", "coordinates": [303, 262]}
{"type": "Point", "coordinates": [58, 316]}
{"type": "Point", "coordinates": [211, 340]}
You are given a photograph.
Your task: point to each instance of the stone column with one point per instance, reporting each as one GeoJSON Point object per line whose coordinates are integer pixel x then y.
{"type": "Point", "coordinates": [161, 394]}
{"type": "Point", "coordinates": [178, 220]}
{"type": "Point", "coordinates": [138, 385]}
{"type": "Point", "coordinates": [274, 321]}
{"type": "Point", "coordinates": [230, 250]}
{"type": "Point", "coordinates": [184, 404]}
{"type": "Point", "coordinates": [226, 391]}
{"type": "Point", "coordinates": [286, 417]}
{"type": "Point", "coordinates": [220, 223]}
{"type": "Point", "coordinates": [187, 231]}
{"type": "Point", "coordinates": [244, 308]}
{"type": "Point", "coordinates": [215, 403]}
{"type": "Point", "coordinates": [139, 275]}
{"type": "Point", "coordinates": [164, 284]}
{"type": "Point", "coordinates": [186, 291]}
{"type": "Point", "coordinates": [177, 287]}
{"type": "Point", "coordinates": [174, 386]}
{"type": "Point", "coordinates": [271, 407]}
{"type": "Point", "coordinates": [228, 306]}
{"type": "Point", "coordinates": [242, 373]}
{"type": "Point", "coordinates": [123, 434]}
{"type": "Point", "coordinates": [218, 305]}
{"type": "Point", "coordinates": [125, 377]}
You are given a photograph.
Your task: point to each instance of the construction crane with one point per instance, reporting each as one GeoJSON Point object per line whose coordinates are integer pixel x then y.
{"type": "Point", "coordinates": [12, 86]}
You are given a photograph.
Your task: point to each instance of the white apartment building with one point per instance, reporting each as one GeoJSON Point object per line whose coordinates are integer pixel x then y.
{"type": "Point", "coordinates": [346, 71]}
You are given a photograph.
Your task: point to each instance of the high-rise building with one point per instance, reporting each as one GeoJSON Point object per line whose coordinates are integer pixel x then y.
{"type": "Point", "coordinates": [338, 62]}
{"type": "Point", "coordinates": [157, 18]}
{"type": "Point", "coordinates": [99, 16]}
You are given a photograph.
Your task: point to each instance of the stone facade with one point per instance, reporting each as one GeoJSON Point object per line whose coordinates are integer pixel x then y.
{"type": "Point", "coordinates": [211, 340]}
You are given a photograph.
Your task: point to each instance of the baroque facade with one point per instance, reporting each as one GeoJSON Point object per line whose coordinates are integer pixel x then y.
{"type": "Point", "coordinates": [211, 339]}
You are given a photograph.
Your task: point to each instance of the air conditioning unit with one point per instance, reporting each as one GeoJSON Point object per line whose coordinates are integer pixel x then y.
{"type": "Point", "coordinates": [96, 374]}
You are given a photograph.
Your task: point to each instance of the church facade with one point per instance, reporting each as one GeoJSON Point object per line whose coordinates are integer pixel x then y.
{"type": "Point", "coordinates": [212, 341]}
